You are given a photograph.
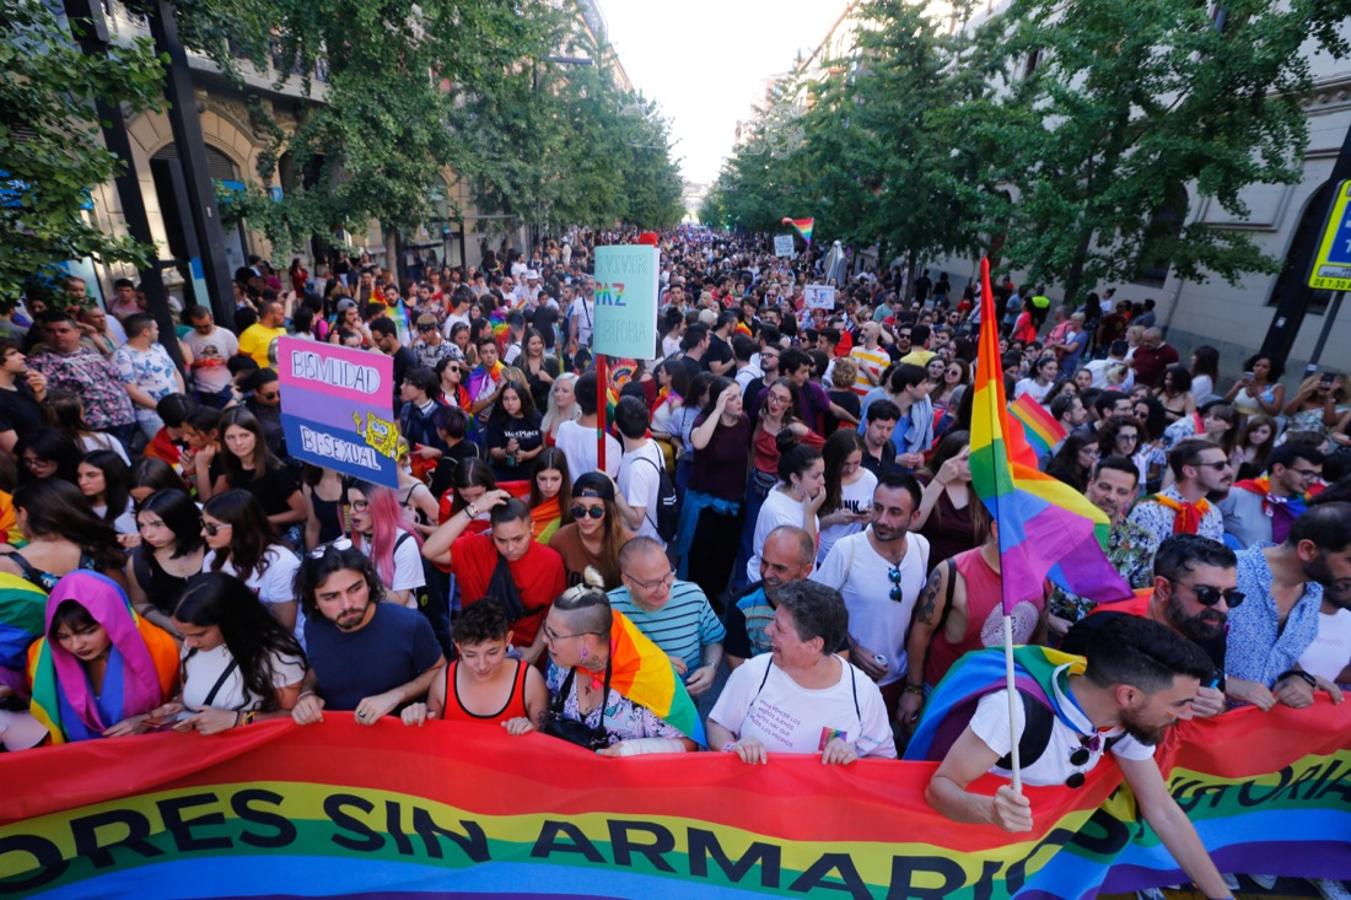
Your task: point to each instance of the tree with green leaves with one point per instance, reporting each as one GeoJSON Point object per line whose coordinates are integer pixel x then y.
{"type": "Point", "coordinates": [1121, 114]}
{"type": "Point", "coordinates": [51, 155]}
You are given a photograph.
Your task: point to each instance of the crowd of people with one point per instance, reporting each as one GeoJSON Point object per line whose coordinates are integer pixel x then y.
{"type": "Point", "coordinates": [784, 519]}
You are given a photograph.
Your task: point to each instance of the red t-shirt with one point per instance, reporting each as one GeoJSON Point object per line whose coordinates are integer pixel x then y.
{"type": "Point", "coordinates": [538, 575]}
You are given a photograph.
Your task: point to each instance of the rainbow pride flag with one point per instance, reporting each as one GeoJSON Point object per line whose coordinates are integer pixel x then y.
{"type": "Point", "coordinates": [399, 313]}
{"type": "Point", "coordinates": [336, 808]}
{"type": "Point", "coordinates": [802, 226]}
{"type": "Point", "coordinates": [1041, 430]}
{"type": "Point", "coordinates": [22, 610]}
{"type": "Point", "coordinates": [1046, 528]}
{"type": "Point", "coordinates": [641, 671]}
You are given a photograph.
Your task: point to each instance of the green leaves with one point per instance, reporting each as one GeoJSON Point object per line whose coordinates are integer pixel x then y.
{"type": "Point", "coordinates": [50, 150]}
{"type": "Point", "coordinates": [1080, 132]}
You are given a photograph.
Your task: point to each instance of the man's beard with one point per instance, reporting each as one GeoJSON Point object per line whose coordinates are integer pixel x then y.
{"type": "Point", "coordinates": [1206, 626]}
{"type": "Point", "coordinates": [1317, 570]}
{"type": "Point", "coordinates": [887, 533]}
{"type": "Point", "coordinates": [1145, 734]}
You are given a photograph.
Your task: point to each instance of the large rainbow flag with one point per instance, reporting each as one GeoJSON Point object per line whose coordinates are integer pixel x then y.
{"type": "Point", "coordinates": [801, 226]}
{"type": "Point", "coordinates": [274, 809]}
{"type": "Point", "coordinates": [1046, 528]}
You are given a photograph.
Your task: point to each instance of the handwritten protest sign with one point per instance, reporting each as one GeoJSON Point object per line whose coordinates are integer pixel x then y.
{"type": "Point", "coordinates": [819, 296]}
{"type": "Point", "coordinates": [783, 245]}
{"type": "Point", "coordinates": [626, 300]}
{"type": "Point", "coordinates": [337, 408]}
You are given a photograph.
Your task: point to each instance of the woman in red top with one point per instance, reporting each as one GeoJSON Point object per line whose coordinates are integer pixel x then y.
{"type": "Point", "coordinates": [484, 684]}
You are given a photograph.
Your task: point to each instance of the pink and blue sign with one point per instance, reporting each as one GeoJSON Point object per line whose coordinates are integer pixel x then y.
{"type": "Point", "coordinates": [336, 405]}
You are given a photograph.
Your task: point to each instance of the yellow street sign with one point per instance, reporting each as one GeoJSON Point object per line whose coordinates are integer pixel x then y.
{"type": "Point", "coordinates": [1332, 265]}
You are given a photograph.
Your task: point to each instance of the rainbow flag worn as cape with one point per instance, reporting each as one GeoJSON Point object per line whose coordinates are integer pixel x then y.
{"type": "Point", "coordinates": [22, 608]}
{"type": "Point", "coordinates": [801, 226]}
{"type": "Point", "coordinates": [142, 664]}
{"type": "Point", "coordinates": [1041, 430]}
{"type": "Point", "coordinates": [952, 704]}
{"type": "Point", "coordinates": [1047, 529]}
{"type": "Point", "coordinates": [642, 672]}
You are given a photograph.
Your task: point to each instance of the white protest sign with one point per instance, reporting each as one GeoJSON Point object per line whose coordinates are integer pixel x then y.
{"type": "Point", "coordinates": [819, 296]}
{"type": "Point", "coordinates": [783, 245]}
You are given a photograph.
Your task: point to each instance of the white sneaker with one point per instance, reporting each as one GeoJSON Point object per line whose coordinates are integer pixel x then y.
{"type": "Point", "coordinates": [1231, 882]}
{"type": "Point", "coordinates": [1265, 882]}
{"type": "Point", "coordinates": [1330, 889]}
{"type": "Point", "coordinates": [1151, 894]}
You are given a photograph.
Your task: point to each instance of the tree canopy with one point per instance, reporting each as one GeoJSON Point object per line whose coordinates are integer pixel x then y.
{"type": "Point", "coordinates": [1071, 139]}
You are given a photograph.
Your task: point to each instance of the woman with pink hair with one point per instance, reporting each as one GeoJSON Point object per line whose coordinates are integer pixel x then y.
{"type": "Point", "coordinates": [384, 531]}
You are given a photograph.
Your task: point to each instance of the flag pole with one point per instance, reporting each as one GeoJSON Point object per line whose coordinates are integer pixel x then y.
{"type": "Point", "coordinates": [1015, 763]}
{"type": "Point", "coordinates": [602, 395]}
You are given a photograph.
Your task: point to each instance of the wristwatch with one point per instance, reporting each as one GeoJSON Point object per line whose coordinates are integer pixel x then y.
{"type": "Point", "coordinates": [913, 689]}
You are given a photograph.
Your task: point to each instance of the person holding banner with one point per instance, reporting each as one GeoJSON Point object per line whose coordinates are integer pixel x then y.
{"type": "Point", "coordinates": [611, 689]}
{"type": "Point", "coordinates": [802, 697]}
{"type": "Point", "coordinates": [484, 684]}
{"type": "Point", "coordinates": [365, 656]}
{"type": "Point", "coordinates": [238, 663]}
{"type": "Point", "coordinates": [1138, 679]}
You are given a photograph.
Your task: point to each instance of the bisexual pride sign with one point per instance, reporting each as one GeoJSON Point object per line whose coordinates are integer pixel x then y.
{"type": "Point", "coordinates": [337, 408]}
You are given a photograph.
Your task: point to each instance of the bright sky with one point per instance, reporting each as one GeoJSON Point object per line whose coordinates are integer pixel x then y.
{"type": "Point", "coordinates": [705, 62]}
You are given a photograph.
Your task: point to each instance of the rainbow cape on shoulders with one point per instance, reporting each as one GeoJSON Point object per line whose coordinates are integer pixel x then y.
{"type": "Point", "coordinates": [980, 672]}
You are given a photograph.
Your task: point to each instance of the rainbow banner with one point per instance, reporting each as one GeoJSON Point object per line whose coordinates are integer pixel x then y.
{"type": "Point", "coordinates": [338, 809]}
{"type": "Point", "coordinates": [1047, 529]}
{"type": "Point", "coordinates": [1041, 430]}
{"type": "Point", "coordinates": [801, 226]}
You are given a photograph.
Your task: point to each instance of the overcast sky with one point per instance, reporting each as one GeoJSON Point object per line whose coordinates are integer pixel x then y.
{"type": "Point", "coordinates": [705, 62]}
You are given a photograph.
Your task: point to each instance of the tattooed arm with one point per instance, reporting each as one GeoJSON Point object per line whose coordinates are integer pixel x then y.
{"type": "Point", "coordinates": [929, 613]}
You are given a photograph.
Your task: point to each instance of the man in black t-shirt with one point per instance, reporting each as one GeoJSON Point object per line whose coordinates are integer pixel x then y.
{"type": "Point", "coordinates": [386, 336]}
{"type": "Point", "coordinates": [365, 655]}
{"type": "Point", "coordinates": [719, 358]}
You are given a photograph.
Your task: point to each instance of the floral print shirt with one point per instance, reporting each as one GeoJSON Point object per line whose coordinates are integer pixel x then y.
{"type": "Point", "coordinates": [624, 719]}
{"type": "Point", "coordinates": [151, 370]}
{"type": "Point", "coordinates": [1130, 550]}
{"type": "Point", "coordinates": [95, 380]}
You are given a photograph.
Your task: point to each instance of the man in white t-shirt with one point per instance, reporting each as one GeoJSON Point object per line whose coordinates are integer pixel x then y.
{"type": "Point", "coordinates": [800, 698]}
{"type": "Point", "coordinates": [880, 572]}
{"type": "Point", "coordinates": [577, 439]}
{"type": "Point", "coordinates": [581, 314]}
{"type": "Point", "coordinates": [1140, 678]}
{"type": "Point", "coordinates": [212, 347]}
{"type": "Point", "coordinates": [639, 471]}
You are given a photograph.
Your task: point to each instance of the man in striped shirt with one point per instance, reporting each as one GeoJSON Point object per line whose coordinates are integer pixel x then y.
{"type": "Point", "coordinates": [674, 614]}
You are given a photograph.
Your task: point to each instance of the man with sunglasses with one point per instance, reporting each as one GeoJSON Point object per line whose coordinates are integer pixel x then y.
{"type": "Point", "coordinates": [1261, 510]}
{"type": "Point", "coordinates": [675, 614]}
{"type": "Point", "coordinates": [1200, 467]}
{"type": "Point", "coordinates": [1285, 585]}
{"type": "Point", "coordinates": [880, 573]}
{"type": "Point", "coordinates": [1193, 591]}
{"type": "Point", "coordinates": [1139, 678]}
{"type": "Point", "coordinates": [430, 345]}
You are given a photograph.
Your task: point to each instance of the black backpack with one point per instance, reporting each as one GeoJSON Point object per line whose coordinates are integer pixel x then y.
{"type": "Point", "coordinates": [667, 518]}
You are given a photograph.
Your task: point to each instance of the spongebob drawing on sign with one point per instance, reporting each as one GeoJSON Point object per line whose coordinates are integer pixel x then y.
{"type": "Point", "coordinates": [380, 434]}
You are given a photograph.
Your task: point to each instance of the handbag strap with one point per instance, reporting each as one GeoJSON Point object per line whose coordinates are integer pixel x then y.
{"type": "Point", "coordinates": [220, 680]}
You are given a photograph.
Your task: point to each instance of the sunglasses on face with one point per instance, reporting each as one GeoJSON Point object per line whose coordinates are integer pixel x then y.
{"type": "Point", "coordinates": [213, 529]}
{"type": "Point", "coordinates": [581, 512]}
{"type": "Point", "coordinates": [1208, 595]}
{"type": "Point", "coordinates": [358, 505]}
{"type": "Point", "coordinates": [268, 396]}
{"type": "Point", "coordinates": [426, 328]}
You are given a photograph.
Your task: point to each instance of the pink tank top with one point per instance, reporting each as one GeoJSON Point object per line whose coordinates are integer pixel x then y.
{"type": "Point", "coordinates": [984, 617]}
